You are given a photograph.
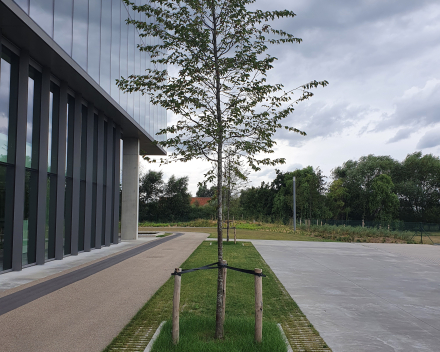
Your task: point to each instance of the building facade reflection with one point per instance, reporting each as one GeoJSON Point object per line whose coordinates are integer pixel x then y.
{"type": "Point", "coordinates": [95, 35]}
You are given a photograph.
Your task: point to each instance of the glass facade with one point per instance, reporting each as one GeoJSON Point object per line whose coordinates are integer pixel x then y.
{"type": "Point", "coordinates": [8, 122]}
{"type": "Point", "coordinates": [95, 35]}
{"type": "Point", "coordinates": [58, 153]}
{"type": "Point", "coordinates": [65, 147]}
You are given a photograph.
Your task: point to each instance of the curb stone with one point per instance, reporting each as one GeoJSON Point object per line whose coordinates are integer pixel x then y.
{"type": "Point", "coordinates": [155, 336]}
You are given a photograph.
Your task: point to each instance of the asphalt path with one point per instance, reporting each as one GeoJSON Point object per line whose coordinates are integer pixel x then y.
{"type": "Point", "coordinates": [363, 297]}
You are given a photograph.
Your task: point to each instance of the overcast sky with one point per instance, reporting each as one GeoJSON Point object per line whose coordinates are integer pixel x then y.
{"type": "Point", "coordinates": [382, 60]}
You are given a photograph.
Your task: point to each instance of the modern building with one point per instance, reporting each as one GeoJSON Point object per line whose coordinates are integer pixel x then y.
{"type": "Point", "coordinates": [63, 121]}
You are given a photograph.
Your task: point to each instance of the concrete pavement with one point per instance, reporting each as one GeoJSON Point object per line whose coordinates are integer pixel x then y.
{"type": "Point", "coordinates": [363, 297]}
{"type": "Point", "coordinates": [87, 314]}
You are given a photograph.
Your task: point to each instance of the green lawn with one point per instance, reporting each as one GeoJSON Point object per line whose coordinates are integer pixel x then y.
{"type": "Point", "coordinates": [198, 297]}
{"type": "Point", "coordinates": [196, 335]}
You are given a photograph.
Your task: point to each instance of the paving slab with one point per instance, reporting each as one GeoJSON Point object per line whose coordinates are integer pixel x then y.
{"type": "Point", "coordinates": [363, 297]}
{"type": "Point", "coordinates": [87, 314]}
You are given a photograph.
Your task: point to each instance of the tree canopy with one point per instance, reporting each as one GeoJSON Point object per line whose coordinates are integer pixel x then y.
{"type": "Point", "coordinates": [219, 92]}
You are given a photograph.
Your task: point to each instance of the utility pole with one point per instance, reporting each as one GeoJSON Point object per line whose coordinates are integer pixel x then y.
{"type": "Point", "coordinates": [294, 204]}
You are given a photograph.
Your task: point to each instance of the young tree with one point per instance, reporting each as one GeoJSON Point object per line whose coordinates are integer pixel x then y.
{"type": "Point", "coordinates": [235, 178]}
{"type": "Point", "coordinates": [219, 92]}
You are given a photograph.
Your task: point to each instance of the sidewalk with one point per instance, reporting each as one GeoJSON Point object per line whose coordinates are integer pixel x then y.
{"type": "Point", "coordinates": [87, 314]}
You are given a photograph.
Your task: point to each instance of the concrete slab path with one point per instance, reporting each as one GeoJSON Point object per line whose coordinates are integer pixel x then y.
{"type": "Point", "coordinates": [363, 297]}
{"type": "Point", "coordinates": [87, 314]}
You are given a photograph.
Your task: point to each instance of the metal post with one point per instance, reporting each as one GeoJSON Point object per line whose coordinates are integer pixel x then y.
{"type": "Point", "coordinates": [294, 204]}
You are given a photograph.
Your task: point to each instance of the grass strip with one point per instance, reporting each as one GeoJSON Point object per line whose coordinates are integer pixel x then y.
{"type": "Point", "coordinates": [197, 334]}
{"type": "Point", "coordinates": [198, 297]}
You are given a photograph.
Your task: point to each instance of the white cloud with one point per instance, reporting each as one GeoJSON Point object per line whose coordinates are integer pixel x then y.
{"type": "Point", "coordinates": [381, 60]}
{"type": "Point", "coordinates": [429, 140]}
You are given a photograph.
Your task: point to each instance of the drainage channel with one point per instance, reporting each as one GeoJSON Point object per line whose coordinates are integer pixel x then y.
{"type": "Point", "coordinates": [27, 295]}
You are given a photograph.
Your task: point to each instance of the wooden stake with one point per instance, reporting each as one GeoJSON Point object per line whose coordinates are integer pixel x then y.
{"type": "Point", "coordinates": [258, 306]}
{"type": "Point", "coordinates": [224, 288]}
{"type": "Point", "coordinates": [176, 303]}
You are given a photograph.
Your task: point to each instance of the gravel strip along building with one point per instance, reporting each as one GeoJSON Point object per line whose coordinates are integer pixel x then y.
{"type": "Point", "coordinates": [64, 126]}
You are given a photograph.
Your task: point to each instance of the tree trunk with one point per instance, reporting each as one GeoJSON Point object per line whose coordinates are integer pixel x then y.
{"type": "Point", "coordinates": [219, 332]}
{"type": "Point", "coordinates": [229, 198]}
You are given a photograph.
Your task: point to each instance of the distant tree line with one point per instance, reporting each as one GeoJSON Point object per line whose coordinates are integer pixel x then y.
{"type": "Point", "coordinates": [169, 201]}
{"type": "Point", "coordinates": [371, 188]}
{"type": "Point", "coordinates": [376, 188]}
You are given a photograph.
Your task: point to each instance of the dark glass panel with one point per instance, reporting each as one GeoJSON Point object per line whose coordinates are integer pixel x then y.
{"type": "Point", "coordinates": [104, 171]}
{"type": "Point", "coordinates": [116, 43]}
{"type": "Point", "coordinates": [33, 118]}
{"type": "Point", "coordinates": [52, 150]}
{"type": "Point", "coordinates": [8, 104]}
{"type": "Point", "coordinates": [80, 27]}
{"type": "Point", "coordinates": [94, 39]}
{"type": "Point", "coordinates": [29, 124]}
{"type": "Point", "coordinates": [93, 222]}
{"type": "Point", "coordinates": [41, 11]}
{"type": "Point", "coordinates": [51, 206]}
{"type": "Point", "coordinates": [104, 182]}
{"type": "Point", "coordinates": [111, 211]}
{"type": "Point", "coordinates": [84, 113]}
{"type": "Point", "coordinates": [68, 215]}
{"type": "Point", "coordinates": [5, 89]}
{"type": "Point", "coordinates": [69, 135]}
{"type": "Point", "coordinates": [63, 24]}
{"type": "Point", "coordinates": [121, 153]}
{"type": "Point", "coordinates": [82, 214]}
{"type": "Point", "coordinates": [104, 213]}
{"type": "Point", "coordinates": [6, 200]}
{"type": "Point", "coordinates": [82, 201]}
{"type": "Point", "coordinates": [30, 217]}
{"type": "Point", "coordinates": [95, 150]}
{"type": "Point", "coordinates": [106, 38]}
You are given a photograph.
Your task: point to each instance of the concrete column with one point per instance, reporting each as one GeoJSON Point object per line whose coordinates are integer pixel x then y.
{"type": "Point", "coordinates": [130, 189]}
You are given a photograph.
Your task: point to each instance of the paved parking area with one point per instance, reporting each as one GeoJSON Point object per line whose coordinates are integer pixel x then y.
{"type": "Point", "coordinates": [363, 297]}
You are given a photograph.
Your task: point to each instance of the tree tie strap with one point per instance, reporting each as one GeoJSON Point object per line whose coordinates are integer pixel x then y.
{"type": "Point", "coordinates": [215, 266]}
